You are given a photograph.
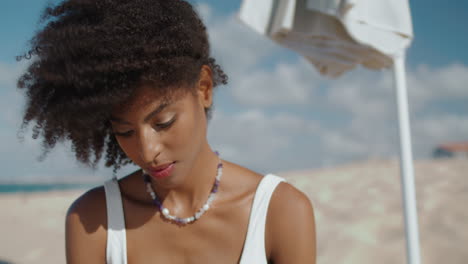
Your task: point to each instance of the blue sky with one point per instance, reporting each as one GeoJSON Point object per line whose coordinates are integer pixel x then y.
{"type": "Point", "coordinates": [318, 122]}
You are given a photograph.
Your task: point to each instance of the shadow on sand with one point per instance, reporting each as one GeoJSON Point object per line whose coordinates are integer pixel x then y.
{"type": "Point", "coordinates": [5, 262]}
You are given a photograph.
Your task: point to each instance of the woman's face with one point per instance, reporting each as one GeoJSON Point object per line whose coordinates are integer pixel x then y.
{"type": "Point", "coordinates": [154, 132]}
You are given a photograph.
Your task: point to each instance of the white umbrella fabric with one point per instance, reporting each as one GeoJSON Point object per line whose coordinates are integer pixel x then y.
{"type": "Point", "coordinates": [336, 36]}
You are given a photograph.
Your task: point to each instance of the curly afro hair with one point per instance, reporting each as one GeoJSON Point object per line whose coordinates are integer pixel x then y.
{"type": "Point", "coordinates": [90, 56]}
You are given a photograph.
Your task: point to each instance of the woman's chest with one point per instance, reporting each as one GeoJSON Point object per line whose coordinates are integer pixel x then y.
{"type": "Point", "coordinates": [217, 237]}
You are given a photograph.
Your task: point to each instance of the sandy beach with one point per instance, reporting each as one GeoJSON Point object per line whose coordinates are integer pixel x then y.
{"type": "Point", "coordinates": [32, 226]}
{"type": "Point", "coordinates": [360, 218]}
{"type": "Point", "coordinates": [357, 206]}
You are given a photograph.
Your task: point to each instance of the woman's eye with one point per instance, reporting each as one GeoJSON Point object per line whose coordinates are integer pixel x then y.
{"type": "Point", "coordinates": [165, 125]}
{"type": "Point", "coordinates": [123, 134]}
{"type": "Point", "coordinates": [158, 126]}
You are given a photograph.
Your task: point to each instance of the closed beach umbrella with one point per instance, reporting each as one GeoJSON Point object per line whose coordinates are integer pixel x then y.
{"type": "Point", "coordinates": [336, 36]}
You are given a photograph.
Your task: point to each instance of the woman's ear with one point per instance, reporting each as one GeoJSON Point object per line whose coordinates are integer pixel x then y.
{"type": "Point", "coordinates": [205, 86]}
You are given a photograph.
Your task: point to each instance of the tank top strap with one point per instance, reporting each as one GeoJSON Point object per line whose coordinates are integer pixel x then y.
{"type": "Point", "coordinates": [254, 245]}
{"type": "Point", "coordinates": [116, 250]}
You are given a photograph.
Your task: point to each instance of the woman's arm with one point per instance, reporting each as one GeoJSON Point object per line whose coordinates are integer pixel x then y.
{"type": "Point", "coordinates": [291, 227]}
{"type": "Point", "coordinates": [85, 234]}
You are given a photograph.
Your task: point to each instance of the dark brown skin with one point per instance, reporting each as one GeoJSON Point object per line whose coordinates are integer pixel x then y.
{"type": "Point", "coordinates": [219, 235]}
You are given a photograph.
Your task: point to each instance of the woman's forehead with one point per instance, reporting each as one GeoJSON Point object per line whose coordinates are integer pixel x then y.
{"type": "Point", "coordinates": [146, 96]}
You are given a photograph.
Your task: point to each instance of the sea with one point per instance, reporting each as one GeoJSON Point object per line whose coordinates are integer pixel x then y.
{"type": "Point", "coordinates": [42, 187]}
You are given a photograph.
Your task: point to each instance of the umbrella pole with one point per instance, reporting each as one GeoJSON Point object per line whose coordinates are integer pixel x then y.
{"type": "Point", "coordinates": [406, 163]}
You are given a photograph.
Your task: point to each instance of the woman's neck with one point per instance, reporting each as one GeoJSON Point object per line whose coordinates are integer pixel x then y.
{"type": "Point", "coordinates": [187, 197]}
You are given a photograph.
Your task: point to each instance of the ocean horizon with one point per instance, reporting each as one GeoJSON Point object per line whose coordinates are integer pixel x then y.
{"type": "Point", "coordinates": [43, 187]}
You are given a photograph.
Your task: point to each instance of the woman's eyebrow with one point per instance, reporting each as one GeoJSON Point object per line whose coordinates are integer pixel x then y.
{"type": "Point", "coordinates": [156, 111]}
{"type": "Point", "coordinates": [118, 120]}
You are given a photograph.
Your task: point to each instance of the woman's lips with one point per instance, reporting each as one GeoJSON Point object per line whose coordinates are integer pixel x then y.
{"type": "Point", "coordinates": [162, 173]}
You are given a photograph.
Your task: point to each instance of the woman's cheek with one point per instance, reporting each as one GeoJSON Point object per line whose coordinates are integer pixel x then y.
{"type": "Point", "coordinates": [186, 134]}
{"type": "Point", "coordinates": [181, 135]}
{"type": "Point", "coordinates": [125, 145]}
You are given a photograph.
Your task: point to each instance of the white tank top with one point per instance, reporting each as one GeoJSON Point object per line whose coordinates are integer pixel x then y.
{"type": "Point", "coordinates": [254, 245]}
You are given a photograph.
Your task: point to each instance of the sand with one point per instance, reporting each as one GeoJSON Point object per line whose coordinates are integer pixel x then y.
{"type": "Point", "coordinates": [357, 206]}
{"type": "Point", "coordinates": [32, 226]}
{"type": "Point", "coordinates": [359, 211]}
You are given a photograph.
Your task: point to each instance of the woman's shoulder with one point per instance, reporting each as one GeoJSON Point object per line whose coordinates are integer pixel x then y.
{"type": "Point", "coordinates": [287, 203]}
{"type": "Point", "coordinates": [85, 227]}
{"type": "Point", "coordinates": [91, 206]}
{"type": "Point", "coordinates": [89, 211]}
{"type": "Point", "coordinates": [290, 220]}
{"type": "Point", "coordinates": [287, 198]}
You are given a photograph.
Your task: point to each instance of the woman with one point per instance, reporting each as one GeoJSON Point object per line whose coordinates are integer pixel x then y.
{"type": "Point", "coordinates": [135, 79]}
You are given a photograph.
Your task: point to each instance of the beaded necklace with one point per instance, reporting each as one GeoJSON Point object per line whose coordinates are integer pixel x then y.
{"type": "Point", "coordinates": [183, 221]}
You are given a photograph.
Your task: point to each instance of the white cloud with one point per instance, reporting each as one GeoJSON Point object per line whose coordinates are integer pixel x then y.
{"type": "Point", "coordinates": [8, 73]}
{"type": "Point", "coordinates": [10, 97]}
{"type": "Point", "coordinates": [427, 84]}
{"type": "Point", "coordinates": [237, 47]}
{"type": "Point", "coordinates": [205, 11]}
{"type": "Point", "coordinates": [287, 84]}
{"type": "Point", "coordinates": [244, 55]}
{"type": "Point", "coordinates": [261, 141]}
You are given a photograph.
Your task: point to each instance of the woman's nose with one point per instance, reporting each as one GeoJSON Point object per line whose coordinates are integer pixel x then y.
{"type": "Point", "coordinates": [150, 145]}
